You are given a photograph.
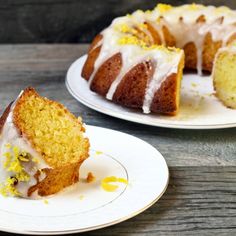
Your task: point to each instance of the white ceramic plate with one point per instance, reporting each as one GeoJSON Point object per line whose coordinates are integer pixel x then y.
{"type": "Point", "coordinates": [199, 108]}
{"type": "Point", "coordinates": [86, 206]}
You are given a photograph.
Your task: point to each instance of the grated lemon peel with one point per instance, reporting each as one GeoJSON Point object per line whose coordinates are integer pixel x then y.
{"type": "Point", "coordinates": [13, 163]}
{"type": "Point", "coordinates": [133, 40]}
{"type": "Point", "coordinates": [107, 186]}
{"type": "Point", "coordinates": [98, 152]}
{"type": "Point", "coordinates": [45, 201]}
{"type": "Point", "coordinates": [163, 7]}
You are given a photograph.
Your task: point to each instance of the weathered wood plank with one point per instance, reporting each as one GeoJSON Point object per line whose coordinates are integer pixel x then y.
{"type": "Point", "coordinates": [30, 21]}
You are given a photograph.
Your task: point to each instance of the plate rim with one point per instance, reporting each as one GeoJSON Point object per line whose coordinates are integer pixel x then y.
{"type": "Point", "coordinates": [114, 222]}
{"type": "Point", "coordinates": [131, 118]}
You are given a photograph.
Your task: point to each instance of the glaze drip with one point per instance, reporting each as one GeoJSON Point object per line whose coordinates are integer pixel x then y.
{"type": "Point", "coordinates": [187, 24]}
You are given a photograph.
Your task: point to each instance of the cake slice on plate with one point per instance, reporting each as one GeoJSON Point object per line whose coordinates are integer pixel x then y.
{"type": "Point", "coordinates": [224, 75]}
{"type": "Point", "coordinates": [42, 146]}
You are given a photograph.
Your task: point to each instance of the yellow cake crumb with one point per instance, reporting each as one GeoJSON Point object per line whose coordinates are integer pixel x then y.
{"type": "Point", "coordinates": [107, 186]}
{"type": "Point", "coordinates": [90, 177]}
{"type": "Point", "coordinates": [193, 84]}
{"type": "Point", "coordinates": [81, 197]}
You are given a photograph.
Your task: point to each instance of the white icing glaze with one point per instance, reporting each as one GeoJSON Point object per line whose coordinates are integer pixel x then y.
{"type": "Point", "coordinates": [182, 24]}
{"type": "Point", "coordinates": [10, 135]}
{"type": "Point", "coordinates": [160, 74]}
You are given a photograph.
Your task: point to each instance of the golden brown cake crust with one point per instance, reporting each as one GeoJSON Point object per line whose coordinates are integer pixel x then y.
{"type": "Point", "coordinates": [131, 89]}
{"type": "Point", "coordinates": [56, 179]}
{"type": "Point", "coordinates": [106, 74]}
{"type": "Point", "coordinates": [92, 57]}
{"type": "Point", "coordinates": [95, 42]}
{"type": "Point", "coordinates": [154, 33]}
{"type": "Point", "coordinates": [89, 64]}
{"type": "Point", "coordinates": [165, 97]}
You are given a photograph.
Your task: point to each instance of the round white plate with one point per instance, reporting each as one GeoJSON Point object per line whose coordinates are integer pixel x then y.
{"type": "Point", "coordinates": [199, 108]}
{"type": "Point", "coordinates": [86, 206]}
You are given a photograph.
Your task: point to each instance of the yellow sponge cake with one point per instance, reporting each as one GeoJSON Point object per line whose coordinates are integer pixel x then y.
{"type": "Point", "coordinates": [42, 146]}
{"type": "Point", "coordinates": [224, 75]}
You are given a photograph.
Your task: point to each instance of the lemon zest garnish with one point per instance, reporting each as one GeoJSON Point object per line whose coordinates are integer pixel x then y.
{"type": "Point", "coordinates": [7, 145]}
{"type": "Point", "coordinates": [133, 40]}
{"type": "Point", "coordinates": [8, 159]}
{"type": "Point", "coordinates": [107, 186]}
{"type": "Point", "coordinates": [194, 6]}
{"type": "Point", "coordinates": [124, 28]}
{"type": "Point", "coordinates": [45, 201]}
{"type": "Point", "coordinates": [194, 84]}
{"type": "Point", "coordinates": [9, 188]}
{"type": "Point", "coordinates": [13, 164]}
{"type": "Point", "coordinates": [98, 152]}
{"type": "Point", "coordinates": [142, 26]}
{"type": "Point", "coordinates": [163, 7]}
{"type": "Point", "coordinates": [122, 180]}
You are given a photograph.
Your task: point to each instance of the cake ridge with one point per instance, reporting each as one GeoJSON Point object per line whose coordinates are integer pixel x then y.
{"type": "Point", "coordinates": [197, 29]}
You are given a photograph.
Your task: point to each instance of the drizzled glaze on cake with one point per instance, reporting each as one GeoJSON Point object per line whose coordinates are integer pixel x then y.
{"type": "Point", "coordinates": [129, 36]}
{"type": "Point", "coordinates": [19, 162]}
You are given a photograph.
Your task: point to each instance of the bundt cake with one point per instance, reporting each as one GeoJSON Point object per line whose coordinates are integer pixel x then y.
{"type": "Point", "coordinates": [126, 65]}
{"type": "Point", "coordinates": [224, 75]}
{"type": "Point", "coordinates": [42, 146]}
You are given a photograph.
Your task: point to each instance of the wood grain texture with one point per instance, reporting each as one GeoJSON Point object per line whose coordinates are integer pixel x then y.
{"type": "Point", "coordinates": [68, 21]}
{"type": "Point", "coordinates": [201, 197]}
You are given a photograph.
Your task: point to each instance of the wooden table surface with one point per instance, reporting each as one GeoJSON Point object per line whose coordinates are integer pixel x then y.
{"type": "Point", "coordinates": [201, 197]}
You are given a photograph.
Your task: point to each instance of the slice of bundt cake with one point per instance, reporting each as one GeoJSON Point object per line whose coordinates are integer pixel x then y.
{"type": "Point", "coordinates": [224, 75]}
{"type": "Point", "coordinates": [42, 146]}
